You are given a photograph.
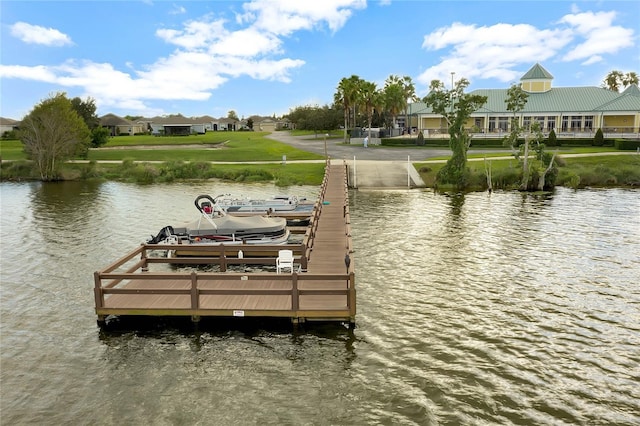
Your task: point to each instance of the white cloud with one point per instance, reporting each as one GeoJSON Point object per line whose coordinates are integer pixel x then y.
{"type": "Point", "coordinates": [599, 35]}
{"type": "Point", "coordinates": [490, 51]}
{"type": "Point", "coordinates": [177, 10]}
{"type": "Point", "coordinates": [498, 51]}
{"type": "Point", "coordinates": [195, 34]}
{"type": "Point", "coordinates": [248, 43]}
{"type": "Point", "coordinates": [38, 73]}
{"type": "Point", "coordinates": [35, 34]}
{"type": "Point", "coordinates": [283, 17]}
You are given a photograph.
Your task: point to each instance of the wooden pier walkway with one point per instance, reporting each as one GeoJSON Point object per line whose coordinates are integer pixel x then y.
{"type": "Point", "coordinates": [322, 289]}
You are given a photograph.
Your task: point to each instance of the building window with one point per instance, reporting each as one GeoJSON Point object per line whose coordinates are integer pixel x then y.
{"type": "Point", "coordinates": [503, 123]}
{"type": "Point", "coordinates": [492, 124]}
{"type": "Point", "coordinates": [551, 122]}
{"type": "Point", "coordinates": [565, 123]}
{"type": "Point", "coordinates": [526, 122]}
{"type": "Point", "coordinates": [588, 122]}
{"type": "Point", "coordinates": [576, 122]}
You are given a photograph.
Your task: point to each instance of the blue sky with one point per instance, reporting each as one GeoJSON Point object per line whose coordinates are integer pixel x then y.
{"type": "Point", "coordinates": [265, 57]}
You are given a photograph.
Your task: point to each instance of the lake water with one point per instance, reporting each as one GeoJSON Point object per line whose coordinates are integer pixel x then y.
{"type": "Point", "coordinates": [481, 308]}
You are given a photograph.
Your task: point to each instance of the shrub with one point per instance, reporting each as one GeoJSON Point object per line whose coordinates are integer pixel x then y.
{"type": "Point", "coordinates": [598, 139]}
{"type": "Point", "coordinates": [89, 170]}
{"type": "Point", "coordinates": [397, 141]}
{"type": "Point", "coordinates": [420, 140]}
{"type": "Point", "coordinates": [99, 137]}
{"type": "Point", "coordinates": [553, 139]}
{"type": "Point", "coordinates": [10, 135]}
{"type": "Point", "coordinates": [498, 143]}
{"type": "Point", "coordinates": [17, 170]}
{"type": "Point", "coordinates": [627, 144]}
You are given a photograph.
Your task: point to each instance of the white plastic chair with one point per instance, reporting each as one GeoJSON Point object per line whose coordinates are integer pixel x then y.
{"type": "Point", "coordinates": [284, 260]}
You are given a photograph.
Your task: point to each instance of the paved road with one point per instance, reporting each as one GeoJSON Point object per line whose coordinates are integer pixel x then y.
{"type": "Point", "coordinates": [337, 150]}
{"type": "Point", "coordinates": [375, 167]}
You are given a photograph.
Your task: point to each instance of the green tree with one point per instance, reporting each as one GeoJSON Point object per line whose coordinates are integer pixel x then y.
{"type": "Point", "coordinates": [516, 101]}
{"type": "Point", "coordinates": [52, 133]}
{"type": "Point", "coordinates": [99, 137]}
{"type": "Point", "coordinates": [250, 123]}
{"type": "Point", "coordinates": [231, 115]}
{"type": "Point", "coordinates": [314, 117]}
{"type": "Point", "coordinates": [544, 165]}
{"type": "Point", "coordinates": [456, 107]}
{"type": "Point", "coordinates": [87, 111]}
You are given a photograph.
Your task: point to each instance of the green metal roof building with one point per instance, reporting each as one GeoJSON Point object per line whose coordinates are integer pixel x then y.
{"type": "Point", "coordinates": [567, 110]}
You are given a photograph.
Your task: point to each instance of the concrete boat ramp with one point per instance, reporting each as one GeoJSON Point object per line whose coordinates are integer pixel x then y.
{"type": "Point", "coordinates": [372, 174]}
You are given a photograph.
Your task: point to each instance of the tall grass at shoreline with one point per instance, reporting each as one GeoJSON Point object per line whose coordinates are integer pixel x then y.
{"type": "Point", "coordinates": [573, 172]}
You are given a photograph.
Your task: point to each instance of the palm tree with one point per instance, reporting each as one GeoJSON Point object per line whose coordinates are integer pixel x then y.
{"type": "Point", "coordinates": [612, 80]}
{"type": "Point", "coordinates": [394, 98]}
{"type": "Point", "coordinates": [630, 78]}
{"type": "Point", "coordinates": [370, 99]}
{"type": "Point", "coordinates": [347, 97]}
{"type": "Point", "coordinates": [409, 92]}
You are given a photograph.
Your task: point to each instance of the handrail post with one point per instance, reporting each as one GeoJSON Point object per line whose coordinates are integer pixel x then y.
{"type": "Point", "coordinates": [352, 295]}
{"type": "Point", "coordinates": [97, 290]}
{"type": "Point", "coordinates": [143, 257]}
{"type": "Point", "coordinates": [295, 295]}
{"type": "Point", "coordinates": [223, 259]}
{"type": "Point", "coordinates": [195, 302]}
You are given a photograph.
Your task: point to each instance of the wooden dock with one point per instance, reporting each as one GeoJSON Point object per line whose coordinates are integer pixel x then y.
{"type": "Point", "coordinates": [215, 282]}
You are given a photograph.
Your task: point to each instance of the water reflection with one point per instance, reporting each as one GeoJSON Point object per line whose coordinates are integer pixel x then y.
{"type": "Point", "coordinates": [500, 308]}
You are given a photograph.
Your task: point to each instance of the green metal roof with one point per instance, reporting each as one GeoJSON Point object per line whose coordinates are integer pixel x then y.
{"type": "Point", "coordinates": [632, 90]}
{"type": "Point", "coordinates": [537, 72]}
{"type": "Point", "coordinates": [556, 100]}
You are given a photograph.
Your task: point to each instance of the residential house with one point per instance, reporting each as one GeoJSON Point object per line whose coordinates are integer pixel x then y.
{"type": "Point", "coordinates": [175, 125]}
{"type": "Point", "coordinates": [8, 125]}
{"type": "Point", "coordinates": [225, 124]}
{"type": "Point", "coordinates": [207, 121]}
{"type": "Point", "coordinates": [119, 126]}
{"type": "Point", "coordinates": [268, 124]}
{"type": "Point", "coordinates": [570, 111]}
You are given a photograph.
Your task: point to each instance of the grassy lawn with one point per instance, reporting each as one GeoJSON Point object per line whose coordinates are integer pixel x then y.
{"type": "Point", "coordinates": [11, 150]}
{"type": "Point", "coordinates": [216, 146]}
{"type": "Point", "coordinates": [209, 138]}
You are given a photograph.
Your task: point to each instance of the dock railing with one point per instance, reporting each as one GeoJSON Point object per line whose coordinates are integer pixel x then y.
{"type": "Point", "coordinates": [115, 279]}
